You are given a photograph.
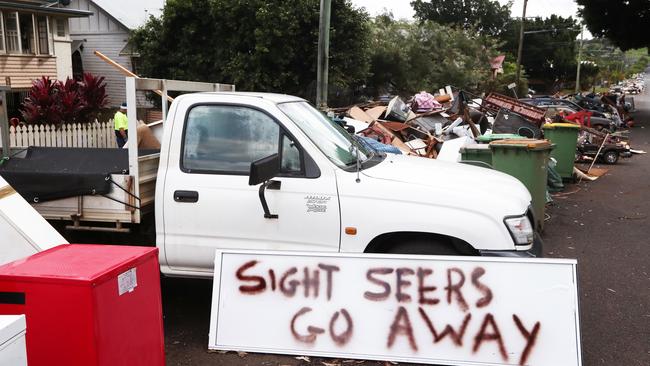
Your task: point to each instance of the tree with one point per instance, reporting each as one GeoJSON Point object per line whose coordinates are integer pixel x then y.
{"type": "Point", "coordinates": [488, 17]}
{"type": "Point", "coordinates": [258, 45]}
{"type": "Point", "coordinates": [623, 22]}
{"type": "Point", "coordinates": [549, 54]}
{"type": "Point", "coordinates": [407, 57]}
{"type": "Point", "coordinates": [639, 66]}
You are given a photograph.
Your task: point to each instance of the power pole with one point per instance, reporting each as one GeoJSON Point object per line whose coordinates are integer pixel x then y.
{"type": "Point", "coordinates": [323, 54]}
{"type": "Point", "coordinates": [579, 61]}
{"type": "Point", "coordinates": [521, 44]}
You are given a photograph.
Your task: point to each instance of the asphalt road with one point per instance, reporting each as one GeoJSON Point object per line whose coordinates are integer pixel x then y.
{"type": "Point", "coordinates": [604, 224]}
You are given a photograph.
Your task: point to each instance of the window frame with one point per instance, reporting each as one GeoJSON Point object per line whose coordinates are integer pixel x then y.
{"type": "Point", "coordinates": [54, 28]}
{"type": "Point", "coordinates": [38, 35]}
{"type": "Point", "coordinates": [34, 38]}
{"type": "Point", "coordinates": [19, 51]}
{"type": "Point", "coordinates": [2, 36]}
{"type": "Point", "coordinates": [35, 33]}
{"type": "Point", "coordinates": [282, 133]}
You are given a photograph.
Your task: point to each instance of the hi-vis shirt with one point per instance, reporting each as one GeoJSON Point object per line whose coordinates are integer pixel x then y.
{"type": "Point", "coordinates": [121, 121]}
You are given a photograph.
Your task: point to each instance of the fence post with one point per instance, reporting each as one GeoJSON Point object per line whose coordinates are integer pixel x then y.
{"type": "Point", "coordinates": [30, 135]}
{"type": "Point", "coordinates": [12, 136]}
{"type": "Point", "coordinates": [59, 136]}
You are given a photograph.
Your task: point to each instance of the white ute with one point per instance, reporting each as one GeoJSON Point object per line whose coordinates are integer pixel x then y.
{"type": "Point", "coordinates": [314, 188]}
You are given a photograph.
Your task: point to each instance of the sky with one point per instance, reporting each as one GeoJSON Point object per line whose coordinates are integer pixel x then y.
{"type": "Point", "coordinates": [402, 8]}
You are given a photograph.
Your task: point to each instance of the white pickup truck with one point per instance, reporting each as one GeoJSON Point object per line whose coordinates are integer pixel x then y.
{"type": "Point", "coordinates": [316, 196]}
{"type": "Point", "coordinates": [270, 172]}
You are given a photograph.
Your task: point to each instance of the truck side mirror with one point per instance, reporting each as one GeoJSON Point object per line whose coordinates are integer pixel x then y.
{"type": "Point", "coordinates": [262, 171]}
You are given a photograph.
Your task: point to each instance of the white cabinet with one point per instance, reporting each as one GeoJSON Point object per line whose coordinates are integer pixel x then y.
{"type": "Point", "coordinates": [13, 351]}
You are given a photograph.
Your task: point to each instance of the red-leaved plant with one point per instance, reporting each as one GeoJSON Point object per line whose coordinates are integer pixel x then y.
{"type": "Point", "coordinates": [40, 105]}
{"type": "Point", "coordinates": [92, 91]}
{"type": "Point", "coordinates": [70, 101]}
{"type": "Point", "coordinates": [50, 102]}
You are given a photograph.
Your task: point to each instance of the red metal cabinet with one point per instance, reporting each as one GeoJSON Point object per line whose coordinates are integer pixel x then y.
{"type": "Point", "coordinates": [88, 305]}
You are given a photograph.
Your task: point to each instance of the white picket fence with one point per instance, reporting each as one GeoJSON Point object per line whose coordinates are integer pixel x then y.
{"type": "Point", "coordinates": [95, 134]}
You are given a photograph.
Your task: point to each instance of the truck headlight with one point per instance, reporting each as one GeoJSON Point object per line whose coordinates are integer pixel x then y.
{"type": "Point", "coordinates": [521, 229]}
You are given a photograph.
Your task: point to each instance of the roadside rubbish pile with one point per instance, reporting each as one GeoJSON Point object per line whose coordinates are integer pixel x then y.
{"type": "Point", "coordinates": [499, 132]}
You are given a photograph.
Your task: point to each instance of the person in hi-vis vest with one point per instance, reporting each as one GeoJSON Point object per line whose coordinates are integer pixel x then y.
{"type": "Point", "coordinates": [121, 126]}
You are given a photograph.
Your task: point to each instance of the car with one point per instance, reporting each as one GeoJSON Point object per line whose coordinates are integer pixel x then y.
{"type": "Point", "coordinates": [552, 101]}
{"type": "Point", "coordinates": [597, 123]}
{"type": "Point", "coordinates": [609, 154]}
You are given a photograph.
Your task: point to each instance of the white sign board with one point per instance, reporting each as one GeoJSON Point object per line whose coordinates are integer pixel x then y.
{"type": "Point", "coordinates": [423, 309]}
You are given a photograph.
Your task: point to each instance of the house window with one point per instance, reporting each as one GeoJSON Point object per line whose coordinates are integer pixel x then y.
{"type": "Point", "coordinates": [27, 39]}
{"type": "Point", "coordinates": [43, 39]}
{"type": "Point", "coordinates": [60, 27]}
{"type": "Point", "coordinates": [11, 32]}
{"type": "Point", "coordinates": [24, 33]}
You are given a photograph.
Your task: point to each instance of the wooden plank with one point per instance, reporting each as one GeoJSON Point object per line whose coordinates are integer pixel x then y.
{"type": "Point", "coordinates": [358, 114]}
{"type": "Point", "coordinates": [376, 112]}
{"type": "Point", "coordinates": [395, 141]}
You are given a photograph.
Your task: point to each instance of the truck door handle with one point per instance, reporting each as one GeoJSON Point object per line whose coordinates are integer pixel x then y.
{"type": "Point", "coordinates": [186, 196]}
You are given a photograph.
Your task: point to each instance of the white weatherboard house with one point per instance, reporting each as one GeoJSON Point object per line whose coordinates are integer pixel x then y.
{"type": "Point", "coordinates": [34, 42]}
{"type": "Point", "coordinates": [107, 31]}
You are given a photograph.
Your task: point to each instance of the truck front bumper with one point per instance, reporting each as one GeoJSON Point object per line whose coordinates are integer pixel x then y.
{"type": "Point", "coordinates": [534, 252]}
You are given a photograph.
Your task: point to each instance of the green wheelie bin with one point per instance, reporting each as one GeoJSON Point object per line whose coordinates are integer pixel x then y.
{"type": "Point", "coordinates": [565, 138]}
{"type": "Point", "coordinates": [526, 160]}
{"type": "Point", "coordinates": [477, 155]}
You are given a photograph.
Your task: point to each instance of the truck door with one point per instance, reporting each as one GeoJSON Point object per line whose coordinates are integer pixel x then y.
{"type": "Point", "coordinates": [208, 203]}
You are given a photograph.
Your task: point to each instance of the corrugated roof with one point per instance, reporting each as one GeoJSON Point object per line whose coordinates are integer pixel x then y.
{"type": "Point", "coordinates": [131, 13]}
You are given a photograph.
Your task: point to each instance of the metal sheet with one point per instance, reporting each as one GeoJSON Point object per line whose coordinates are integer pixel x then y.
{"type": "Point", "coordinates": [495, 102]}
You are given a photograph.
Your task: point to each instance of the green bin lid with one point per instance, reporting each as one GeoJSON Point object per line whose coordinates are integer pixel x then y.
{"type": "Point", "coordinates": [497, 136]}
{"type": "Point", "coordinates": [550, 126]}
{"type": "Point", "coordinates": [530, 144]}
{"type": "Point", "coordinates": [475, 147]}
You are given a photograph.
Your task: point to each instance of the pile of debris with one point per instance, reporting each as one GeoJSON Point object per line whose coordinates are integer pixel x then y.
{"type": "Point", "coordinates": [438, 126]}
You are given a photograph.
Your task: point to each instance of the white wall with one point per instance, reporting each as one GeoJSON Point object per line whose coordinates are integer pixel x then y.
{"type": "Point", "coordinates": [110, 45]}
{"type": "Point", "coordinates": [99, 22]}
{"type": "Point", "coordinates": [103, 33]}
{"type": "Point", "coordinates": [63, 55]}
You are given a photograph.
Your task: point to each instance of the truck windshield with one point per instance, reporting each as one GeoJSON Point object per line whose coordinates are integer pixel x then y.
{"type": "Point", "coordinates": [336, 143]}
